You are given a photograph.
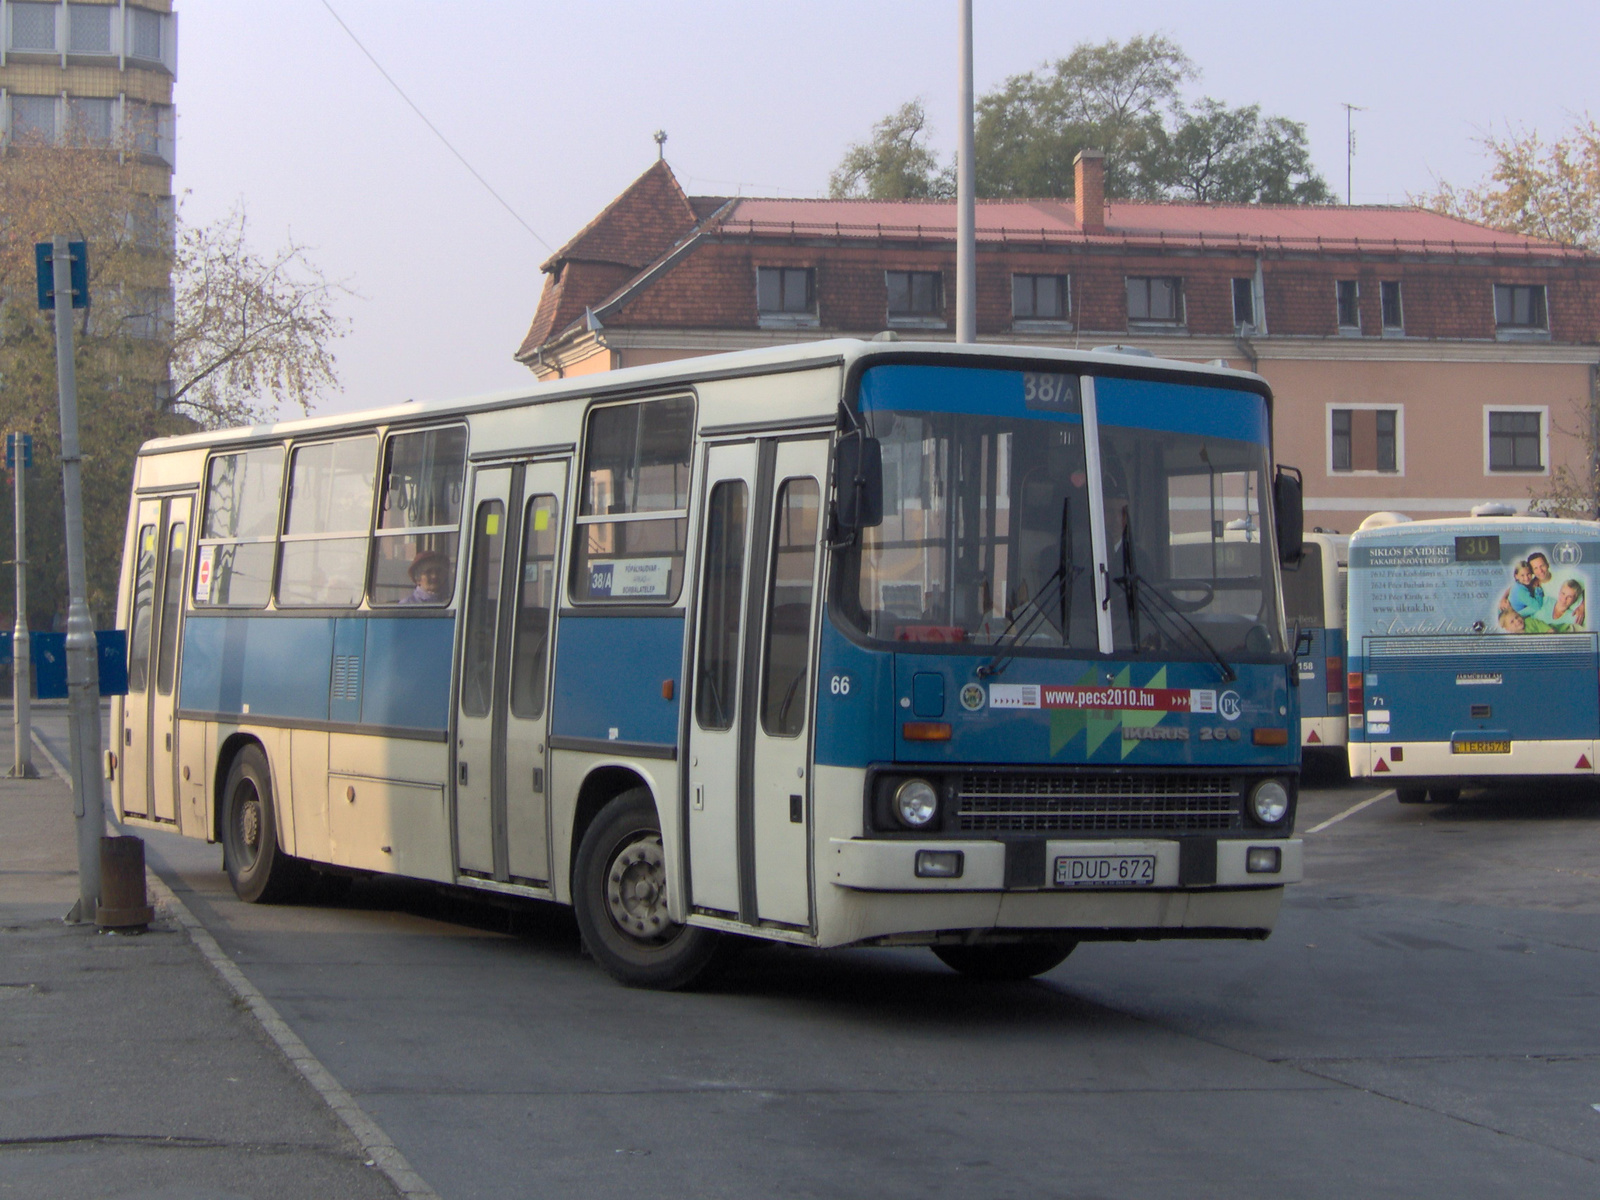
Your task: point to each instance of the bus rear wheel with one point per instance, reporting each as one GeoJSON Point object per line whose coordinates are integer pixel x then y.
{"type": "Point", "coordinates": [1411, 795]}
{"type": "Point", "coordinates": [1022, 960]}
{"type": "Point", "coordinates": [619, 895]}
{"type": "Point", "coordinates": [261, 873]}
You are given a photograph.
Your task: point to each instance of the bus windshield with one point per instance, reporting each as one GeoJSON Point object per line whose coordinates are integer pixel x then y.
{"type": "Point", "coordinates": [986, 529]}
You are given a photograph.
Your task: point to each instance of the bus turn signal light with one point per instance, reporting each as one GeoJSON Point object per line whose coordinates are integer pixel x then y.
{"type": "Point", "coordinates": [1353, 692]}
{"type": "Point", "coordinates": [926, 731]}
{"type": "Point", "coordinates": [1270, 737]}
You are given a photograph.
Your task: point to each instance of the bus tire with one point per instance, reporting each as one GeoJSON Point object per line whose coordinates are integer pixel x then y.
{"type": "Point", "coordinates": [619, 896]}
{"type": "Point", "coordinates": [1022, 960]}
{"type": "Point", "coordinates": [1411, 795]}
{"type": "Point", "coordinates": [258, 868]}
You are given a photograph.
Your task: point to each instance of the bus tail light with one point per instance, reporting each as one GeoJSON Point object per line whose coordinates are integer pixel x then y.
{"type": "Point", "coordinates": [1353, 692]}
{"type": "Point", "coordinates": [1335, 671]}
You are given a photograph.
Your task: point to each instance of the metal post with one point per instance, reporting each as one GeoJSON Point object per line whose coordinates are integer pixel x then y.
{"type": "Point", "coordinates": [966, 182]}
{"type": "Point", "coordinates": [89, 802]}
{"type": "Point", "coordinates": [21, 657]}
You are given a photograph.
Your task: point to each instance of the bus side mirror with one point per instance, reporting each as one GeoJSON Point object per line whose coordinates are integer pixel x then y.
{"type": "Point", "coordinates": [1288, 503]}
{"type": "Point", "coordinates": [858, 475]}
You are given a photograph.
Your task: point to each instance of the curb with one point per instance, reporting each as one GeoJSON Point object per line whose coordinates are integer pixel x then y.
{"type": "Point", "coordinates": [380, 1150]}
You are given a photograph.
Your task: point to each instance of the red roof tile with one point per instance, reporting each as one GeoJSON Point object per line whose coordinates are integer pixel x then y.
{"type": "Point", "coordinates": [1330, 226]}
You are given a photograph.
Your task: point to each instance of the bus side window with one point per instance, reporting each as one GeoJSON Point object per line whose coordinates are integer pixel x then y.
{"type": "Point", "coordinates": [419, 513]}
{"type": "Point", "coordinates": [323, 558]}
{"type": "Point", "coordinates": [238, 534]}
{"type": "Point", "coordinates": [483, 609]}
{"type": "Point", "coordinates": [794, 557]}
{"type": "Point", "coordinates": [530, 647]}
{"type": "Point", "coordinates": [717, 666]}
{"type": "Point", "coordinates": [144, 586]}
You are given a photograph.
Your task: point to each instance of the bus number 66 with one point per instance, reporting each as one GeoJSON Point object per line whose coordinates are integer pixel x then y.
{"type": "Point", "coordinates": [839, 685]}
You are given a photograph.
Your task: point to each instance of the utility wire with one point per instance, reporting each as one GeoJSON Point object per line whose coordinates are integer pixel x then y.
{"type": "Point", "coordinates": [424, 116]}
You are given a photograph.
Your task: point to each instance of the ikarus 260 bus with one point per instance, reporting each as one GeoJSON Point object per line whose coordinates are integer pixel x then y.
{"type": "Point", "coordinates": [842, 644]}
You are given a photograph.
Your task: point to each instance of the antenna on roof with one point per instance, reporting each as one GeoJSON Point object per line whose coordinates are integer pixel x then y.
{"type": "Point", "coordinates": [1349, 146]}
{"type": "Point", "coordinates": [660, 136]}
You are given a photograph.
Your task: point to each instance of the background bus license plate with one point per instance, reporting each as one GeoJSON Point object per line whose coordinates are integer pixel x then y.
{"type": "Point", "coordinates": [1481, 746]}
{"type": "Point", "coordinates": [1106, 870]}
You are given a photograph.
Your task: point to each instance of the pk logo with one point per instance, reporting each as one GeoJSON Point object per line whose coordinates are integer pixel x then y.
{"type": "Point", "coordinates": [1228, 706]}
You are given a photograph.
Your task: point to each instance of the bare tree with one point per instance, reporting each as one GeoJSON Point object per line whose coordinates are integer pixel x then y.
{"type": "Point", "coordinates": [252, 331]}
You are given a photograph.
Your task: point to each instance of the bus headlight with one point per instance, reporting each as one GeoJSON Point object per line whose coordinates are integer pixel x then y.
{"type": "Point", "coordinates": [915, 803]}
{"type": "Point", "coordinates": [1269, 802]}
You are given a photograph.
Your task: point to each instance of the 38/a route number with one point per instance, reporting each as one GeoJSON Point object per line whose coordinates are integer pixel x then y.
{"type": "Point", "coordinates": [839, 685]}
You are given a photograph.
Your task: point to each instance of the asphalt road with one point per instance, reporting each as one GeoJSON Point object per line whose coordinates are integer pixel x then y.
{"type": "Point", "coordinates": [1422, 1023]}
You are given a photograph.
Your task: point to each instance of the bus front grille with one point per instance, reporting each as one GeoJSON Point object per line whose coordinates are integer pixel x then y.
{"type": "Point", "coordinates": [1006, 803]}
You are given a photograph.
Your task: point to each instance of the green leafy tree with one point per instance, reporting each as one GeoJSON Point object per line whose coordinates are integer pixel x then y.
{"type": "Point", "coordinates": [1228, 155]}
{"type": "Point", "coordinates": [1125, 98]}
{"type": "Point", "coordinates": [894, 163]}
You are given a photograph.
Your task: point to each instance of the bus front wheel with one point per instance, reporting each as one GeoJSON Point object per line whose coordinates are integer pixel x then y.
{"type": "Point", "coordinates": [1023, 960]}
{"type": "Point", "coordinates": [261, 873]}
{"type": "Point", "coordinates": [619, 895]}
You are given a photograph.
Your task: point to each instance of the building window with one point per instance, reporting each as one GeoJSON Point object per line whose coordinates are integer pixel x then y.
{"type": "Point", "coordinates": [89, 120]}
{"type": "Point", "coordinates": [1348, 299]}
{"type": "Point", "coordinates": [152, 129]}
{"type": "Point", "coordinates": [1520, 307]}
{"type": "Point", "coordinates": [1158, 299]}
{"type": "Point", "coordinates": [1039, 297]}
{"type": "Point", "coordinates": [916, 294]}
{"type": "Point", "coordinates": [33, 118]}
{"type": "Point", "coordinates": [33, 26]}
{"type": "Point", "coordinates": [89, 28]}
{"type": "Point", "coordinates": [146, 31]}
{"type": "Point", "coordinates": [1244, 303]}
{"type": "Point", "coordinates": [1516, 440]}
{"type": "Point", "coordinates": [1364, 439]}
{"type": "Point", "coordinates": [786, 296]}
{"type": "Point", "coordinates": [785, 289]}
{"type": "Point", "coordinates": [1393, 317]}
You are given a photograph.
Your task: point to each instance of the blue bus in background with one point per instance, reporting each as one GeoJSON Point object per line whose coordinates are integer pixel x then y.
{"type": "Point", "coordinates": [840, 644]}
{"type": "Point", "coordinates": [1314, 599]}
{"type": "Point", "coordinates": [1473, 657]}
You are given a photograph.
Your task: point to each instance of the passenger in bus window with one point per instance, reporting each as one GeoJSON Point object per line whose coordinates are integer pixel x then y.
{"type": "Point", "coordinates": [430, 571]}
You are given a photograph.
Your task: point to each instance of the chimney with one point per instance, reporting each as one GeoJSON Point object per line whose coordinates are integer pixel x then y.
{"type": "Point", "coordinates": [1089, 190]}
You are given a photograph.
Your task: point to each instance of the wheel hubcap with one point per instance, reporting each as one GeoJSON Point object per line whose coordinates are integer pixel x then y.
{"type": "Point", "coordinates": [636, 889]}
{"type": "Point", "coordinates": [250, 826]}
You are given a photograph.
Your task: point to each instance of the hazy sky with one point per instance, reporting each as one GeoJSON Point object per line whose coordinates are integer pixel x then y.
{"type": "Point", "coordinates": [555, 104]}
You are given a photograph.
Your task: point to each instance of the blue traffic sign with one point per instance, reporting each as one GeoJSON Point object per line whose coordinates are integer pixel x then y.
{"type": "Point", "coordinates": [11, 451]}
{"type": "Point", "coordinates": [45, 267]}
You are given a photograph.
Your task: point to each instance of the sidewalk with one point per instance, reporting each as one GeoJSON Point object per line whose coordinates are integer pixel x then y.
{"type": "Point", "coordinates": [128, 1070]}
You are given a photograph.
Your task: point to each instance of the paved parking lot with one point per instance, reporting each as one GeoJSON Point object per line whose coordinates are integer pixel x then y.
{"type": "Point", "coordinates": [1423, 1023]}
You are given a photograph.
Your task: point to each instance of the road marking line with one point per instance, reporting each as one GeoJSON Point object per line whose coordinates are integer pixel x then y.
{"type": "Point", "coordinates": [374, 1142]}
{"type": "Point", "coordinates": [1351, 811]}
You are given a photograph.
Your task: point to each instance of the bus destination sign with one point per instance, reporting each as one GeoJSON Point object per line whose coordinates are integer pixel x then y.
{"type": "Point", "coordinates": [1483, 547]}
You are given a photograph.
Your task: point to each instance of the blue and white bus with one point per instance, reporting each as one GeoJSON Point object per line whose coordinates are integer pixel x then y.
{"type": "Point", "coordinates": [854, 643]}
{"type": "Point", "coordinates": [1472, 653]}
{"type": "Point", "coordinates": [1314, 597]}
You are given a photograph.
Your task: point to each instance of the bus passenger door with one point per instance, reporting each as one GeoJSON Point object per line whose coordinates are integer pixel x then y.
{"type": "Point", "coordinates": [134, 737]}
{"type": "Point", "coordinates": [148, 776]}
{"type": "Point", "coordinates": [480, 723]}
{"type": "Point", "coordinates": [168, 616]}
{"type": "Point", "coordinates": [779, 684]}
{"type": "Point", "coordinates": [715, 680]}
{"type": "Point", "coordinates": [534, 590]}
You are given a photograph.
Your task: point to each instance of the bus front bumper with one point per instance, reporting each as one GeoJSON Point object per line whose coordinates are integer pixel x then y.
{"type": "Point", "coordinates": [885, 865]}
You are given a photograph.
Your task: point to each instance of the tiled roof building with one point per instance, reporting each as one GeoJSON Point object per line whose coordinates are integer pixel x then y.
{"type": "Point", "coordinates": [1375, 325]}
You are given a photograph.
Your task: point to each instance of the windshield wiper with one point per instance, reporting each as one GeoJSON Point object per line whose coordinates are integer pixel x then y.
{"type": "Point", "coordinates": [1062, 577]}
{"type": "Point", "coordinates": [1169, 617]}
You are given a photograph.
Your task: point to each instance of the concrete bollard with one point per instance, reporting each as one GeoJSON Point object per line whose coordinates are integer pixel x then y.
{"type": "Point", "coordinates": [123, 904]}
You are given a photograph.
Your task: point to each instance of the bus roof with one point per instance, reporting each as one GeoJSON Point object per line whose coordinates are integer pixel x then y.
{"type": "Point", "coordinates": [1533, 527]}
{"type": "Point", "coordinates": [837, 352]}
